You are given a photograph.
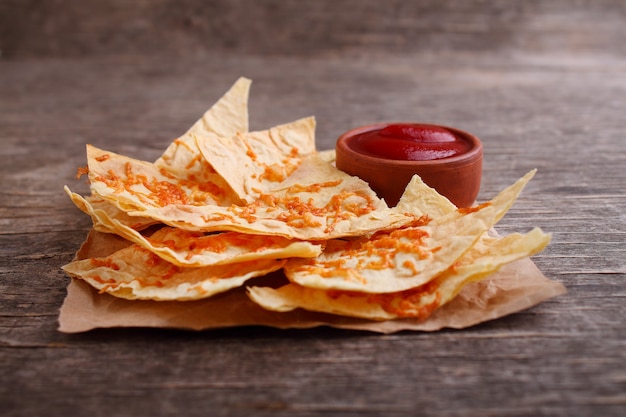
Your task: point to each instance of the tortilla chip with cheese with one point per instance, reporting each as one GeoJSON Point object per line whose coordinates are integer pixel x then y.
{"type": "Point", "coordinates": [186, 248]}
{"type": "Point", "coordinates": [254, 163]}
{"type": "Point", "coordinates": [317, 202]}
{"type": "Point", "coordinates": [403, 258]}
{"type": "Point", "coordinates": [484, 258]}
{"type": "Point", "coordinates": [226, 118]}
{"type": "Point", "coordinates": [136, 273]}
{"type": "Point", "coordinates": [421, 199]}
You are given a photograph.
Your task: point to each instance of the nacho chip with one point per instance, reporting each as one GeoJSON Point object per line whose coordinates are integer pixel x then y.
{"type": "Point", "coordinates": [255, 163]}
{"type": "Point", "coordinates": [403, 258]}
{"type": "Point", "coordinates": [317, 202]}
{"type": "Point", "coordinates": [421, 199]}
{"type": "Point", "coordinates": [226, 118]}
{"type": "Point", "coordinates": [135, 273]}
{"type": "Point", "coordinates": [485, 258]}
{"type": "Point", "coordinates": [197, 249]}
{"type": "Point", "coordinates": [391, 261]}
{"type": "Point", "coordinates": [185, 248]}
{"type": "Point", "coordinates": [229, 115]}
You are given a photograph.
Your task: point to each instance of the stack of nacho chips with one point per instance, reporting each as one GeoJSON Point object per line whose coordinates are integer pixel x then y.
{"type": "Point", "coordinates": [224, 205]}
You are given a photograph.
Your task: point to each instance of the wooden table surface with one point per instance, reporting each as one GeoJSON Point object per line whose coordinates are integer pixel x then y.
{"type": "Point", "coordinates": [543, 84]}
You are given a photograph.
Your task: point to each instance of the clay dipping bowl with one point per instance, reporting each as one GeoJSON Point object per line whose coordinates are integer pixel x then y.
{"type": "Point", "coordinates": [457, 177]}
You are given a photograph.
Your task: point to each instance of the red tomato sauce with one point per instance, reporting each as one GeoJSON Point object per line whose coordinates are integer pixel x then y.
{"type": "Point", "coordinates": [410, 142]}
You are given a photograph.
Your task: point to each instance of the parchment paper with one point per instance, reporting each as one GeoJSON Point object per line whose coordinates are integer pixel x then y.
{"type": "Point", "coordinates": [516, 287]}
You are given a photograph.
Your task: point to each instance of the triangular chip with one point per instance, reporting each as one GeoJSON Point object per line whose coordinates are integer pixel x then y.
{"type": "Point", "coordinates": [225, 118]}
{"type": "Point", "coordinates": [508, 196]}
{"type": "Point", "coordinates": [404, 258]}
{"type": "Point", "coordinates": [255, 163]}
{"type": "Point", "coordinates": [489, 255]}
{"type": "Point", "coordinates": [317, 202]}
{"type": "Point", "coordinates": [136, 273]}
{"type": "Point", "coordinates": [420, 199]}
{"type": "Point", "coordinates": [229, 115]}
{"type": "Point", "coordinates": [186, 248]}
{"type": "Point", "coordinates": [391, 262]}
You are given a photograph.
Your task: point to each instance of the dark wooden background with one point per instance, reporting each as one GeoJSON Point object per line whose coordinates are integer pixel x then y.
{"type": "Point", "coordinates": [543, 83]}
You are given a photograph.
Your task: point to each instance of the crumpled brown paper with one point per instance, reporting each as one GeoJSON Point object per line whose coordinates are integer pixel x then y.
{"type": "Point", "coordinates": [516, 287]}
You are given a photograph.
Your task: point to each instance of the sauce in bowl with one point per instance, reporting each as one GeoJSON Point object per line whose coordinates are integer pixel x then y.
{"type": "Point", "coordinates": [387, 155]}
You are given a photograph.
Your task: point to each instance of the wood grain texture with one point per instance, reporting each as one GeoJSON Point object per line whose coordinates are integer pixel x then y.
{"type": "Point", "coordinates": [73, 28]}
{"type": "Point", "coordinates": [543, 84]}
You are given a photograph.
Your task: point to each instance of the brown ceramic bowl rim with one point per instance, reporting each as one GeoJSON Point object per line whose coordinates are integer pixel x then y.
{"type": "Point", "coordinates": [474, 153]}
